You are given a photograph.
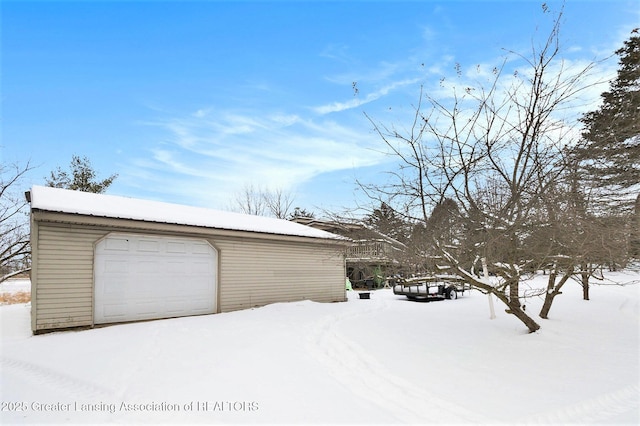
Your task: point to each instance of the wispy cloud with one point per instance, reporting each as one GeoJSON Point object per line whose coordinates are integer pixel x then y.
{"type": "Point", "coordinates": [376, 74]}
{"type": "Point", "coordinates": [336, 51]}
{"type": "Point", "coordinates": [210, 153]}
{"type": "Point", "coordinates": [213, 154]}
{"type": "Point", "coordinates": [359, 101]}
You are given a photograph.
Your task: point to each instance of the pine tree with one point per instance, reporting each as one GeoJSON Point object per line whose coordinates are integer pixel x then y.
{"type": "Point", "coordinates": [611, 154]}
{"type": "Point", "coordinates": [300, 212]}
{"type": "Point", "coordinates": [387, 221]}
{"type": "Point", "coordinates": [82, 177]}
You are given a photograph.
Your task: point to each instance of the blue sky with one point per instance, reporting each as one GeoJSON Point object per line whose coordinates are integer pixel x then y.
{"type": "Point", "coordinates": [189, 102]}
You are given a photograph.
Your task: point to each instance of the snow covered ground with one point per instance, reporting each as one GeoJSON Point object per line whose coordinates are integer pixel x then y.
{"type": "Point", "coordinates": [378, 361]}
{"type": "Point", "coordinates": [15, 285]}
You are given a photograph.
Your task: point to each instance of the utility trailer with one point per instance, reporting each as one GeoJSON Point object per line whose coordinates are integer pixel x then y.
{"type": "Point", "coordinates": [431, 287]}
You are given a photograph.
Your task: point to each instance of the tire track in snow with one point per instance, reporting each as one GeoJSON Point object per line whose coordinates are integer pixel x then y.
{"type": "Point", "coordinates": [632, 311]}
{"type": "Point", "coordinates": [59, 382]}
{"type": "Point", "coordinates": [594, 410]}
{"type": "Point", "coordinates": [361, 373]}
{"type": "Point", "coordinates": [140, 363]}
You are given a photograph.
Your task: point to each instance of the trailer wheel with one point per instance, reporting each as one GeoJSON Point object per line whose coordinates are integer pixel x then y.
{"type": "Point", "coordinates": [452, 294]}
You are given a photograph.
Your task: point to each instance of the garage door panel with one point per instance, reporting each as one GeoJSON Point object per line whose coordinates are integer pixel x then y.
{"type": "Point", "coordinates": [177, 268]}
{"type": "Point", "coordinates": [141, 277]}
{"type": "Point", "coordinates": [176, 247]}
{"type": "Point", "coordinates": [116, 266]}
{"type": "Point", "coordinates": [115, 291]}
{"type": "Point", "coordinates": [201, 306]}
{"type": "Point", "coordinates": [116, 244]}
{"type": "Point", "coordinates": [113, 310]}
{"type": "Point", "coordinates": [201, 268]}
{"type": "Point", "coordinates": [196, 288]}
{"type": "Point", "coordinates": [176, 306]}
{"type": "Point", "coordinates": [145, 308]}
{"type": "Point", "coordinates": [200, 248]}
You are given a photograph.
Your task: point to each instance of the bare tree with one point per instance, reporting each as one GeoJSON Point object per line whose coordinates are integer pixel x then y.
{"type": "Point", "coordinates": [264, 202]}
{"type": "Point", "coordinates": [278, 202]}
{"type": "Point", "coordinates": [577, 246]}
{"type": "Point", "coordinates": [14, 222]}
{"type": "Point", "coordinates": [250, 201]}
{"type": "Point", "coordinates": [495, 149]}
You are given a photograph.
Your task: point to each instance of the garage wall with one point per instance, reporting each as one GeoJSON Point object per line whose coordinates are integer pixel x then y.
{"type": "Point", "coordinates": [63, 271]}
{"type": "Point", "coordinates": [252, 272]}
{"type": "Point", "coordinates": [255, 273]}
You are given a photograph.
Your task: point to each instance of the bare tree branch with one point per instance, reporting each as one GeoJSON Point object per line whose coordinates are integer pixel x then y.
{"type": "Point", "coordinates": [15, 251]}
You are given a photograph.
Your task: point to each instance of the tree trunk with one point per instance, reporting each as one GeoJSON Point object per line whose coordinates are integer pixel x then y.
{"type": "Point", "coordinates": [553, 290]}
{"type": "Point", "coordinates": [585, 281]}
{"type": "Point", "coordinates": [635, 231]}
{"type": "Point", "coordinates": [546, 306]}
{"type": "Point", "coordinates": [526, 319]}
{"type": "Point", "coordinates": [516, 310]}
{"type": "Point", "coordinates": [513, 308]}
{"type": "Point", "coordinates": [548, 297]}
{"type": "Point", "coordinates": [514, 293]}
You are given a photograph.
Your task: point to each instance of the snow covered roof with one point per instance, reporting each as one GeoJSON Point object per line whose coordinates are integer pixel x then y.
{"type": "Point", "coordinates": [349, 227]}
{"type": "Point", "coordinates": [110, 206]}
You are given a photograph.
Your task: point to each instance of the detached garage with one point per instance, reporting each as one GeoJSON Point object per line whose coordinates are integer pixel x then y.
{"type": "Point", "coordinates": [100, 259]}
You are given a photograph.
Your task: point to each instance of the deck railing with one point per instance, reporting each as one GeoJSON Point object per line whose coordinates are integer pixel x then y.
{"type": "Point", "coordinates": [369, 249]}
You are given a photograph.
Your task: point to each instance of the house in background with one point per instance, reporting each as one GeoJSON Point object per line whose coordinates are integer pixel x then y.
{"type": "Point", "coordinates": [99, 259]}
{"type": "Point", "coordinates": [370, 258]}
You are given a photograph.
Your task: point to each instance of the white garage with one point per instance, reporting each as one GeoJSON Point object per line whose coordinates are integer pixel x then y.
{"type": "Point", "coordinates": [100, 259]}
{"type": "Point", "coordinates": [141, 277]}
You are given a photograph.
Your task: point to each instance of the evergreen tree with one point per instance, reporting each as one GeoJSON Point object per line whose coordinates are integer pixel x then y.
{"type": "Point", "coordinates": [81, 178]}
{"type": "Point", "coordinates": [611, 154]}
{"type": "Point", "coordinates": [387, 221]}
{"type": "Point", "coordinates": [300, 212]}
{"type": "Point", "coordinates": [443, 220]}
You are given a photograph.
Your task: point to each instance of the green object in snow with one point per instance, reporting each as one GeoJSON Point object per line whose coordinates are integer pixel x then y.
{"type": "Point", "coordinates": [348, 287]}
{"type": "Point", "coordinates": [378, 279]}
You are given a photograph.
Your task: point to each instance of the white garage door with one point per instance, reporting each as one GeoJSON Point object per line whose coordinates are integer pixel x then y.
{"type": "Point", "coordinates": [145, 276]}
